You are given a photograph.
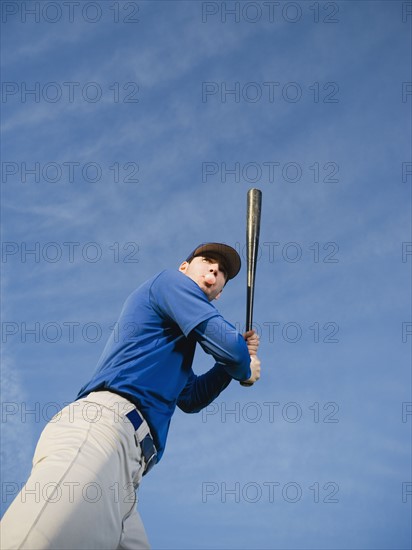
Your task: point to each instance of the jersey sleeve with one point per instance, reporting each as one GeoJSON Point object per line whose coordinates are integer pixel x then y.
{"type": "Point", "coordinates": [227, 346]}
{"type": "Point", "coordinates": [176, 297]}
{"type": "Point", "coordinates": [200, 391]}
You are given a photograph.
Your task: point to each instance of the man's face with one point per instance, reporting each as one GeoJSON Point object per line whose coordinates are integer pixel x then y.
{"type": "Point", "coordinates": [208, 273]}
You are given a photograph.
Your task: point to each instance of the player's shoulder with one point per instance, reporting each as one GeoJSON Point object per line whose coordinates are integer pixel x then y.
{"type": "Point", "coordinates": [173, 276]}
{"type": "Point", "coordinates": [168, 274]}
{"type": "Point", "coordinates": [175, 282]}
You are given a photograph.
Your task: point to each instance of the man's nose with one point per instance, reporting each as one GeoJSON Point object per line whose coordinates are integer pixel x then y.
{"type": "Point", "coordinates": [210, 277]}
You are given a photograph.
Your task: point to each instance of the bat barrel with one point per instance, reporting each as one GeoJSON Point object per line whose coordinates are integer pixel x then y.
{"type": "Point", "coordinates": [254, 206]}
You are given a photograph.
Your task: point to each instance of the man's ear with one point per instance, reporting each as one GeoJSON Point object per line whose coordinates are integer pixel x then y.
{"type": "Point", "coordinates": [183, 266]}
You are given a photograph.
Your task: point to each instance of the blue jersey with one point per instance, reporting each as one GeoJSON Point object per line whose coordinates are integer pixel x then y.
{"type": "Point", "coordinates": [148, 357]}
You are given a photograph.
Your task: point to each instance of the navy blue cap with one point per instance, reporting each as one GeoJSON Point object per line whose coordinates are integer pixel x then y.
{"type": "Point", "coordinates": [224, 253]}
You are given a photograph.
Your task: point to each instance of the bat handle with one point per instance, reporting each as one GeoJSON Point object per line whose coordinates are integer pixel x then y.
{"type": "Point", "coordinates": [247, 384]}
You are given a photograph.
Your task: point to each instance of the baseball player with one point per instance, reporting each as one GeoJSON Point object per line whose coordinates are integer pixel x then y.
{"type": "Point", "coordinates": [91, 457]}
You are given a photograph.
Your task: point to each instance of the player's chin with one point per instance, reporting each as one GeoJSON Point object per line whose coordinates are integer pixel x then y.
{"type": "Point", "coordinates": [210, 293]}
{"type": "Point", "coordinates": [205, 287]}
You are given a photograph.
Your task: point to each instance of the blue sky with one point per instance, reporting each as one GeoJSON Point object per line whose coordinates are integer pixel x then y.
{"type": "Point", "coordinates": [146, 125]}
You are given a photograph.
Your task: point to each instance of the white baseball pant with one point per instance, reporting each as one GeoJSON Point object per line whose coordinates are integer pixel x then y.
{"type": "Point", "coordinates": [81, 493]}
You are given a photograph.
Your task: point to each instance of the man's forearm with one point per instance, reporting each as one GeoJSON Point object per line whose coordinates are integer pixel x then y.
{"type": "Point", "coordinates": [201, 390]}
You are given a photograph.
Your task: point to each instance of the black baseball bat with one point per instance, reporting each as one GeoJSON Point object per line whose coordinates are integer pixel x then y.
{"type": "Point", "coordinates": [254, 207]}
